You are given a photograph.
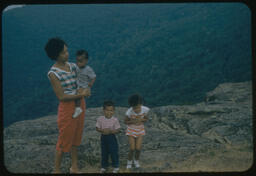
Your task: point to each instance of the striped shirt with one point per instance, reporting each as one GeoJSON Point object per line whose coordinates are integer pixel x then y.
{"type": "Point", "coordinates": [136, 130]}
{"type": "Point", "coordinates": [84, 76]}
{"type": "Point", "coordinates": [67, 79]}
{"type": "Point", "coordinates": [104, 123]}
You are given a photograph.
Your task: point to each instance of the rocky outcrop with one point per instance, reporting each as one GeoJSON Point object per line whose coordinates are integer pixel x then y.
{"type": "Point", "coordinates": [202, 137]}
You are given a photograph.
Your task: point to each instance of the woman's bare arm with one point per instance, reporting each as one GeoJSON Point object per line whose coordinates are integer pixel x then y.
{"type": "Point", "coordinates": [60, 92]}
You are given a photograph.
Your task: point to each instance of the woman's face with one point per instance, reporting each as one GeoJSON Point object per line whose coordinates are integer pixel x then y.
{"type": "Point", "coordinates": [63, 56]}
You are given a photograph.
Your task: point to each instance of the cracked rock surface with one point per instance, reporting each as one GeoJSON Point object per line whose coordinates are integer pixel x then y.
{"type": "Point", "coordinates": [214, 135]}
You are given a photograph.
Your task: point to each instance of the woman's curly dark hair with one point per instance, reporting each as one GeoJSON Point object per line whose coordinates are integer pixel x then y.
{"type": "Point", "coordinates": [53, 47]}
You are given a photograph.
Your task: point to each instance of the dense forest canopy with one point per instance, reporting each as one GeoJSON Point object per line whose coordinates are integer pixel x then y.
{"type": "Point", "coordinates": [170, 53]}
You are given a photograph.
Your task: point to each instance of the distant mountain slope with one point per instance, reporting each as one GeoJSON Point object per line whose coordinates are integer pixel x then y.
{"type": "Point", "coordinates": [214, 136]}
{"type": "Point", "coordinates": [169, 53]}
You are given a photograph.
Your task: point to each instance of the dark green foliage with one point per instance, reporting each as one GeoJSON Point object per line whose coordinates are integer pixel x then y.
{"type": "Point", "coordinates": [168, 53]}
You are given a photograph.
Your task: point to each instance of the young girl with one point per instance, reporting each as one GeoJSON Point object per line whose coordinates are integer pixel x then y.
{"type": "Point", "coordinates": [136, 115]}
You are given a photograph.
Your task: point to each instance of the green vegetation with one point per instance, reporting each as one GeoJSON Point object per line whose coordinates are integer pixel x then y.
{"type": "Point", "coordinates": [169, 53]}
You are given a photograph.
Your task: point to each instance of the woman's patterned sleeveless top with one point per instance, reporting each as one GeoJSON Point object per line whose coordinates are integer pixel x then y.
{"type": "Point", "coordinates": [67, 79]}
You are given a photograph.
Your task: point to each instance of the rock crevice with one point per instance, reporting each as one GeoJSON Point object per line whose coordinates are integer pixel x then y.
{"type": "Point", "coordinates": [174, 136]}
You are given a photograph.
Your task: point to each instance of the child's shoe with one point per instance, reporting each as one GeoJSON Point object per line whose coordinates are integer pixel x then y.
{"type": "Point", "coordinates": [115, 170]}
{"type": "Point", "coordinates": [129, 164]}
{"type": "Point", "coordinates": [103, 170]}
{"type": "Point", "coordinates": [78, 111]}
{"type": "Point", "coordinates": [136, 163]}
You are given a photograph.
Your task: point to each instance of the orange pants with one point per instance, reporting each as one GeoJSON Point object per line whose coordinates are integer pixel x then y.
{"type": "Point", "coordinates": [70, 130]}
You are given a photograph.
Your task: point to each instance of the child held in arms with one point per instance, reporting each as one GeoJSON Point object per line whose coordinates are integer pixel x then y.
{"type": "Point", "coordinates": [108, 126]}
{"type": "Point", "coordinates": [135, 118]}
{"type": "Point", "coordinates": [85, 76]}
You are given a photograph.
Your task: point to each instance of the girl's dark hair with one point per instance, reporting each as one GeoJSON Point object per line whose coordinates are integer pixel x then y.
{"type": "Point", "coordinates": [82, 52]}
{"type": "Point", "coordinates": [135, 100]}
{"type": "Point", "coordinates": [53, 47]}
{"type": "Point", "coordinates": [108, 103]}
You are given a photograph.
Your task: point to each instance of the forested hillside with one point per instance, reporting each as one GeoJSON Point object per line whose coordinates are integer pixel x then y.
{"type": "Point", "coordinates": [169, 53]}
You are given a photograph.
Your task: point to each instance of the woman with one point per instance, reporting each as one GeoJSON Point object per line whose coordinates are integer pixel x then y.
{"type": "Point", "coordinates": [62, 76]}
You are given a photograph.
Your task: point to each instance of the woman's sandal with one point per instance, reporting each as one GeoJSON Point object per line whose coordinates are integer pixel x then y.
{"type": "Point", "coordinates": [72, 172]}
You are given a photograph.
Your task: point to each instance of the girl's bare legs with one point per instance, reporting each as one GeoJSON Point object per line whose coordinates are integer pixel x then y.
{"type": "Point", "coordinates": [132, 147]}
{"type": "Point", "coordinates": [58, 158]}
{"type": "Point", "coordinates": [138, 143]}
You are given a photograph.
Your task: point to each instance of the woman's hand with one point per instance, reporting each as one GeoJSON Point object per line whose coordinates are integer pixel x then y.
{"type": "Point", "coordinates": [87, 92]}
{"type": "Point", "coordinates": [84, 92]}
{"type": "Point", "coordinates": [80, 90]}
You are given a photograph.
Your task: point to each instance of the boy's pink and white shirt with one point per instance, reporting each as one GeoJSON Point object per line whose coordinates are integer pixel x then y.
{"type": "Point", "coordinates": [112, 123]}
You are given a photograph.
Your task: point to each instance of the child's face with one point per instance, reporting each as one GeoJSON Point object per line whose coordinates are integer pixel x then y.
{"type": "Point", "coordinates": [137, 108]}
{"type": "Point", "coordinates": [81, 61]}
{"type": "Point", "coordinates": [109, 111]}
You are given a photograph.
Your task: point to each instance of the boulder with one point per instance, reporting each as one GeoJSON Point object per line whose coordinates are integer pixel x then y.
{"type": "Point", "coordinates": [177, 138]}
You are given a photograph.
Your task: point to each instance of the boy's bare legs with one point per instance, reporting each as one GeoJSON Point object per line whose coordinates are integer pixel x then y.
{"type": "Point", "coordinates": [78, 109]}
{"type": "Point", "coordinates": [77, 103]}
{"type": "Point", "coordinates": [74, 167]}
{"type": "Point", "coordinates": [58, 158]}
